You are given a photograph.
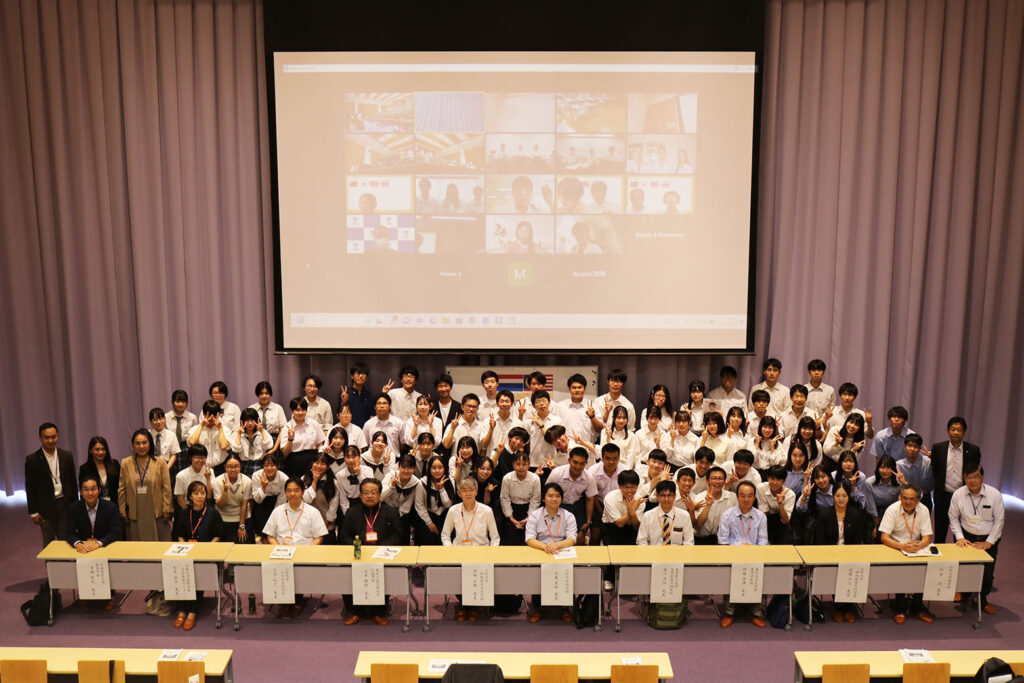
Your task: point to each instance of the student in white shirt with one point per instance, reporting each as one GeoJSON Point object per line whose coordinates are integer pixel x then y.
{"type": "Point", "coordinates": [849, 436]}
{"type": "Point", "coordinates": [465, 460]}
{"type": "Point", "coordinates": [321, 491]}
{"type": "Point", "coordinates": [685, 498]}
{"type": "Point", "coordinates": [520, 495]}
{"type": "Point", "coordinates": [471, 523]}
{"type": "Point", "coordinates": [714, 437]}
{"type": "Point", "coordinates": [230, 412]}
{"type": "Point", "coordinates": [977, 517]}
{"type": "Point", "coordinates": [383, 421]}
{"type": "Point", "coordinates": [766, 447]}
{"type": "Point", "coordinates": [165, 444]}
{"type": "Point", "coordinates": [776, 501]}
{"type": "Point", "coordinates": [535, 381]}
{"type": "Point", "coordinates": [354, 432]}
{"type": "Point", "coordinates": [739, 469]}
{"type": "Point", "coordinates": [576, 413]}
{"type": "Point", "coordinates": [499, 423]}
{"type": "Point", "coordinates": [465, 424]}
{"type": "Point", "coordinates": [623, 508]}
{"type": "Point", "coordinates": [682, 441]}
{"type": "Point", "coordinates": [198, 471]}
{"type": "Point", "coordinates": [180, 421]}
{"type": "Point", "coordinates": [335, 447]}
{"type": "Point", "coordinates": [703, 461]}
{"type": "Point", "coordinates": [251, 442]}
{"type": "Point", "coordinates": [380, 456]}
{"type": "Point", "coordinates": [400, 493]}
{"type": "Point", "coordinates": [489, 401]}
{"type": "Point", "coordinates": [736, 429]}
{"type": "Point", "coordinates": [649, 437]}
{"type": "Point", "coordinates": [906, 526]}
{"type": "Point", "coordinates": [805, 436]}
{"type": "Point", "coordinates": [541, 450]}
{"type": "Point", "coordinates": [350, 477]}
{"type": "Point", "coordinates": [727, 395]}
{"type": "Point", "coordinates": [270, 414]}
{"type": "Point", "coordinates": [665, 524]}
{"type": "Point", "coordinates": [423, 420]}
{"type": "Point", "coordinates": [295, 523]}
{"type": "Point", "coordinates": [662, 398]}
{"type": "Point", "coordinates": [790, 419]}
{"type": "Point", "coordinates": [232, 492]}
{"type": "Point", "coordinates": [618, 432]}
{"type": "Point", "coordinates": [695, 406]}
{"type": "Point", "coordinates": [655, 470]}
{"type": "Point", "coordinates": [404, 398]}
{"type": "Point", "coordinates": [712, 503]}
{"type": "Point", "coordinates": [819, 395]}
{"type": "Point", "coordinates": [434, 497]}
{"type": "Point", "coordinates": [606, 476]}
{"type": "Point", "coordinates": [779, 393]}
{"type": "Point", "coordinates": [835, 417]}
{"type": "Point", "coordinates": [267, 491]}
{"type": "Point", "coordinates": [300, 439]}
{"type": "Point", "coordinates": [318, 410]}
{"type": "Point", "coordinates": [212, 433]}
{"type": "Point", "coordinates": [604, 403]}
{"type": "Point", "coordinates": [760, 402]}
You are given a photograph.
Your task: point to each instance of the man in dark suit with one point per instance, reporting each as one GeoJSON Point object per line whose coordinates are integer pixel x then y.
{"type": "Point", "coordinates": [376, 524]}
{"type": "Point", "coordinates": [92, 522]}
{"type": "Point", "coordinates": [949, 461]}
{"type": "Point", "coordinates": [50, 485]}
{"type": "Point", "coordinates": [447, 407]}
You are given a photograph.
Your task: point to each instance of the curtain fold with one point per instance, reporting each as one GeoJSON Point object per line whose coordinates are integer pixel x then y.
{"type": "Point", "coordinates": [135, 255]}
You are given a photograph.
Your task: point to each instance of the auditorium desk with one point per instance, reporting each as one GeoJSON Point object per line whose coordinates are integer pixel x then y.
{"type": "Point", "coordinates": [63, 661]}
{"type": "Point", "coordinates": [891, 570]}
{"type": "Point", "coordinates": [320, 569]}
{"type": "Point", "coordinates": [137, 565]}
{"type": "Point", "coordinates": [516, 665]}
{"type": "Point", "coordinates": [889, 663]}
{"type": "Point", "coordinates": [516, 570]}
{"type": "Point", "coordinates": [708, 568]}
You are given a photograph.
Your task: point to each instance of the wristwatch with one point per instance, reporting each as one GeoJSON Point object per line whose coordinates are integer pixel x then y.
{"type": "Point", "coordinates": [241, 526]}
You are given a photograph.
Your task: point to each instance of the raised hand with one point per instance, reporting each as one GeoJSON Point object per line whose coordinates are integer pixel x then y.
{"type": "Point", "coordinates": [590, 409]}
{"type": "Point", "coordinates": [867, 415]}
{"type": "Point", "coordinates": [344, 394]}
{"type": "Point", "coordinates": [858, 447]}
{"type": "Point", "coordinates": [388, 386]}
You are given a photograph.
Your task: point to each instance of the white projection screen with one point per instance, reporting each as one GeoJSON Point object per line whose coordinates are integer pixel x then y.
{"type": "Point", "coordinates": [514, 201]}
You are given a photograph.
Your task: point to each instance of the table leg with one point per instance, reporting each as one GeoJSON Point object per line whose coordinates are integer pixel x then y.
{"type": "Point", "coordinates": [618, 599]}
{"type": "Point", "coordinates": [237, 606]}
{"type": "Point", "coordinates": [408, 602]}
{"type": "Point", "coordinates": [220, 589]}
{"type": "Point", "coordinates": [977, 624]}
{"type": "Point", "coordinates": [810, 599]}
{"type": "Point", "coordinates": [426, 600]}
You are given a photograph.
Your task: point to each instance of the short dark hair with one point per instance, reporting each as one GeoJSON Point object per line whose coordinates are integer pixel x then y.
{"type": "Point", "coordinates": [539, 394]}
{"type": "Point", "coordinates": [89, 477]}
{"type": "Point", "coordinates": [179, 395]}
{"type": "Point", "coordinates": [728, 371]}
{"type": "Point", "coordinates": [610, 447]}
{"type": "Point", "coordinates": [776, 472]}
{"type": "Point", "coordinates": [471, 397]}
{"type": "Point", "coordinates": [46, 425]}
{"type": "Point", "coordinates": [552, 486]}
{"type": "Point", "coordinates": [657, 454]}
{"type": "Point", "coordinates": [156, 414]}
{"type": "Point", "coordinates": [248, 414]}
{"type": "Point", "coordinates": [913, 440]}
{"type": "Point", "coordinates": [743, 483]}
{"type": "Point", "coordinates": [384, 396]}
{"type": "Point", "coordinates": [197, 450]}
{"type": "Point", "coordinates": [771, 363]}
{"type": "Point", "coordinates": [956, 419]}
{"type": "Point", "coordinates": [537, 376]}
{"type": "Point", "coordinates": [579, 451]}
{"type": "Point", "coordinates": [506, 392]}
{"type": "Point", "coordinates": [743, 456]}
{"type": "Point", "coordinates": [444, 378]}
{"type": "Point", "coordinates": [299, 402]}
{"type": "Point", "coordinates": [576, 379]}
{"type": "Point", "coordinates": [316, 380]}
{"type": "Point", "coordinates": [714, 469]}
{"type": "Point", "coordinates": [520, 432]}
{"type": "Point", "coordinates": [554, 433]}
{"type": "Point", "coordinates": [627, 477]}
{"type": "Point", "coordinates": [898, 412]}
{"type": "Point", "coordinates": [263, 385]}
{"type": "Point", "coordinates": [211, 407]}
{"type": "Point", "coordinates": [617, 375]}
{"type": "Point", "coordinates": [219, 386]}
{"type": "Point", "coordinates": [704, 453]}
{"type": "Point", "coordinates": [488, 374]}
{"type": "Point", "coordinates": [359, 368]}
{"type": "Point", "coordinates": [665, 486]}
{"type": "Point", "coordinates": [294, 480]}
{"type": "Point", "coordinates": [797, 389]}
{"type": "Point", "coordinates": [760, 396]}
{"type": "Point", "coordinates": [409, 370]}
{"type": "Point", "coordinates": [816, 364]}
{"type": "Point", "coordinates": [374, 482]}
{"type": "Point", "coordinates": [686, 472]}
{"type": "Point", "coordinates": [848, 388]}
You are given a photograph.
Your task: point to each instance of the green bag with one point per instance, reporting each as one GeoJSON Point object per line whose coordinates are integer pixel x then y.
{"type": "Point", "coordinates": [666, 616]}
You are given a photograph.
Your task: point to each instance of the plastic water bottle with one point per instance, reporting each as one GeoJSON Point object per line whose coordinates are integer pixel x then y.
{"type": "Point", "coordinates": [357, 548]}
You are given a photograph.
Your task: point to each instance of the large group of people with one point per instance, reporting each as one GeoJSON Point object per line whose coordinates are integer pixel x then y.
{"type": "Point", "coordinates": [784, 465]}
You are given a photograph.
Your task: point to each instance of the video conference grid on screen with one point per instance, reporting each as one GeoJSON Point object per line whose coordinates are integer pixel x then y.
{"type": "Point", "coordinates": [592, 209]}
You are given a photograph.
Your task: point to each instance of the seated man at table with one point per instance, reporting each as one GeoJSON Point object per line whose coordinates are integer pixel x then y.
{"type": "Point", "coordinates": [294, 523]}
{"type": "Point", "coordinates": [666, 524]}
{"type": "Point", "coordinates": [472, 523]}
{"type": "Point", "coordinates": [906, 526]}
{"type": "Point", "coordinates": [375, 524]}
{"type": "Point", "coordinates": [550, 528]}
{"type": "Point", "coordinates": [776, 501]}
{"type": "Point", "coordinates": [92, 522]}
{"type": "Point", "coordinates": [976, 517]}
{"type": "Point", "coordinates": [743, 525]}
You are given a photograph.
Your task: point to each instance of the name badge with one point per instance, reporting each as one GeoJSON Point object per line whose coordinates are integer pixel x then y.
{"type": "Point", "coordinates": [141, 490]}
{"type": "Point", "coordinates": [91, 540]}
{"type": "Point", "coordinates": [288, 540]}
{"type": "Point", "coordinates": [973, 519]}
{"type": "Point", "coordinates": [371, 536]}
{"type": "Point", "coordinates": [467, 541]}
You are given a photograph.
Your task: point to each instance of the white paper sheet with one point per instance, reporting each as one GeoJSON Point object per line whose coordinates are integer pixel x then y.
{"type": "Point", "coordinates": [178, 550]}
{"type": "Point", "coordinates": [565, 553]}
{"type": "Point", "coordinates": [196, 656]}
{"type": "Point", "coordinates": [478, 584]}
{"type": "Point", "coordinates": [666, 582]}
{"type": "Point", "coordinates": [634, 661]}
{"type": "Point", "coordinates": [93, 578]}
{"type": "Point", "coordinates": [169, 656]}
{"type": "Point", "coordinates": [746, 582]}
{"type": "Point", "coordinates": [368, 583]}
{"type": "Point", "coordinates": [852, 582]}
{"type": "Point", "coordinates": [556, 585]}
{"type": "Point", "coordinates": [282, 552]}
{"type": "Point", "coordinates": [278, 583]}
{"type": "Point", "coordinates": [386, 552]}
{"type": "Point", "coordinates": [179, 579]}
{"type": "Point", "coordinates": [940, 580]}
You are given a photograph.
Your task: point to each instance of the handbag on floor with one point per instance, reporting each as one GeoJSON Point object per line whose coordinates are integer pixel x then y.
{"type": "Point", "coordinates": [667, 616]}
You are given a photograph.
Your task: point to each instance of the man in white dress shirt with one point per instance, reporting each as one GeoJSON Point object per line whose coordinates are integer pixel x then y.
{"type": "Point", "coordinates": [977, 516]}
{"type": "Point", "coordinates": [665, 524]}
{"type": "Point", "coordinates": [907, 526]}
{"type": "Point", "coordinates": [403, 398]}
{"type": "Point", "coordinates": [318, 409]}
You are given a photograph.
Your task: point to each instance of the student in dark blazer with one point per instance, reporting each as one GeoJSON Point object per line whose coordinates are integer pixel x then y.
{"type": "Point", "coordinates": [85, 534]}
{"type": "Point", "coordinates": [946, 483]}
{"type": "Point", "coordinates": [50, 485]}
{"type": "Point", "coordinates": [847, 521]}
{"type": "Point", "coordinates": [105, 469]}
{"type": "Point", "coordinates": [443, 388]}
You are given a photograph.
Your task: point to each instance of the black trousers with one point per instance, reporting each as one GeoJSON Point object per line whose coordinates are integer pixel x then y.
{"type": "Point", "coordinates": [990, 569]}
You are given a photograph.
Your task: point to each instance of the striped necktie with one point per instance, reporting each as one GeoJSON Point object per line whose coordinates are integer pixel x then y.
{"type": "Point", "coordinates": [666, 528]}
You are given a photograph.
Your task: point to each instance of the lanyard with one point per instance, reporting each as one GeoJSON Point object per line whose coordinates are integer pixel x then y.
{"type": "Point", "coordinates": [56, 465]}
{"type": "Point", "coordinates": [142, 474]}
{"type": "Point", "coordinates": [291, 527]}
{"type": "Point", "coordinates": [910, 527]}
{"type": "Point", "coordinates": [472, 519]}
{"type": "Point", "coordinates": [970, 497]}
{"type": "Point", "coordinates": [371, 522]}
{"type": "Point", "coordinates": [558, 526]}
{"type": "Point", "coordinates": [195, 528]}
{"type": "Point", "coordinates": [747, 524]}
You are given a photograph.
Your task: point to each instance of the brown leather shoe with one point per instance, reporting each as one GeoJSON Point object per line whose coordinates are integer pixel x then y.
{"type": "Point", "coordinates": [851, 617]}
{"type": "Point", "coordinates": [111, 605]}
{"type": "Point", "coordinates": [757, 621]}
{"type": "Point", "coordinates": [190, 623]}
{"type": "Point", "coordinates": [926, 617]}
{"type": "Point", "coordinates": [380, 621]}
{"type": "Point", "coordinates": [472, 614]}
{"type": "Point", "coordinates": [726, 622]}
{"type": "Point", "coordinates": [354, 619]}
{"type": "Point", "coordinates": [567, 616]}
{"type": "Point", "coordinates": [989, 608]}
{"type": "Point", "coordinates": [899, 617]}
{"type": "Point", "coordinates": [460, 615]}
{"type": "Point", "coordinates": [535, 616]}
{"type": "Point", "coordinates": [179, 620]}
{"type": "Point", "coordinates": [837, 616]}
{"type": "Point", "coordinates": [958, 597]}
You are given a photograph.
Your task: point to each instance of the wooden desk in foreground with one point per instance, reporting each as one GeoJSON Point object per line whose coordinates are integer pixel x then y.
{"type": "Point", "coordinates": [516, 570]}
{"type": "Point", "coordinates": [321, 569]}
{"type": "Point", "coordinates": [708, 568]}
{"type": "Point", "coordinates": [889, 663]}
{"type": "Point", "coordinates": [137, 662]}
{"type": "Point", "coordinates": [515, 665]}
{"type": "Point", "coordinates": [891, 570]}
{"type": "Point", "coordinates": [138, 565]}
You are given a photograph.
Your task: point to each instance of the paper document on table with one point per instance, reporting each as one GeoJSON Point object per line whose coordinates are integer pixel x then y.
{"type": "Point", "coordinates": [478, 584]}
{"type": "Point", "coordinates": [916, 656]}
{"type": "Point", "coordinates": [852, 582]}
{"type": "Point", "coordinates": [438, 666]}
{"type": "Point", "coordinates": [179, 549]}
{"type": "Point", "coordinates": [386, 552]}
{"type": "Point", "coordinates": [746, 582]}
{"type": "Point", "coordinates": [666, 582]}
{"type": "Point", "coordinates": [93, 578]}
{"type": "Point", "coordinates": [179, 579]}
{"type": "Point", "coordinates": [940, 580]}
{"type": "Point", "coordinates": [282, 552]}
{"type": "Point", "coordinates": [367, 583]}
{"type": "Point", "coordinates": [196, 656]}
{"type": "Point", "coordinates": [927, 551]}
{"type": "Point", "coordinates": [633, 661]}
{"type": "Point", "coordinates": [565, 554]}
{"type": "Point", "coordinates": [278, 583]}
{"type": "Point", "coordinates": [556, 585]}
{"type": "Point", "coordinates": [169, 656]}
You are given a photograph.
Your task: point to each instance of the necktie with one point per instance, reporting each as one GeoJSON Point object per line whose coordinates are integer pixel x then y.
{"type": "Point", "coordinates": [263, 416]}
{"type": "Point", "coordinates": [158, 435]}
{"type": "Point", "coordinates": [666, 529]}
{"type": "Point", "coordinates": [177, 427]}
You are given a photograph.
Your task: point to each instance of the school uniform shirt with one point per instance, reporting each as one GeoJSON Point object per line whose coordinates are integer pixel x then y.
{"type": "Point", "coordinates": [574, 417]}
{"type": "Point", "coordinates": [602, 403]}
{"type": "Point", "coordinates": [710, 526]}
{"type": "Point", "coordinates": [981, 515]}
{"type": "Point", "coordinates": [737, 442]}
{"type": "Point", "coordinates": [682, 448]}
{"type": "Point", "coordinates": [381, 468]}
{"type": "Point", "coordinates": [355, 435]}
{"type": "Point", "coordinates": [815, 453]}
{"type": "Point", "coordinates": [696, 417]}
{"type": "Point", "coordinates": [904, 528]}
{"type": "Point", "coordinates": [779, 395]}
{"type": "Point", "coordinates": [752, 476]}
{"type": "Point", "coordinates": [425, 504]}
{"type": "Point", "coordinates": [700, 485]}
{"type": "Point", "coordinates": [272, 417]}
{"type": "Point", "coordinates": [736, 528]}
{"type": "Point", "coordinates": [295, 527]}
{"type": "Point", "coordinates": [789, 421]}
{"type": "Point", "coordinates": [919, 473]}
{"type": "Point", "coordinates": [319, 411]}
{"type": "Point", "coordinates": [768, 504]}
{"type": "Point", "coordinates": [822, 499]}
{"type": "Point", "coordinates": [546, 529]}
{"type": "Point", "coordinates": [487, 408]}
{"type": "Point", "coordinates": [615, 506]}
{"type": "Point", "coordinates": [184, 479]}
{"type": "Point", "coordinates": [348, 485]}
{"type": "Point", "coordinates": [653, 522]}
{"type": "Point", "coordinates": [308, 435]}
{"type": "Point", "coordinates": [819, 397]}
{"type": "Point", "coordinates": [606, 483]}
{"type": "Point", "coordinates": [414, 427]}
{"type": "Point", "coordinates": [839, 416]}
{"type": "Point", "coordinates": [883, 494]}
{"type": "Point", "coordinates": [629, 447]}
{"type": "Point", "coordinates": [400, 496]}
{"type": "Point", "coordinates": [529, 411]}
{"type": "Point", "coordinates": [664, 424]}
{"type": "Point", "coordinates": [861, 493]}
{"type": "Point", "coordinates": [500, 434]}
{"type": "Point", "coordinates": [754, 421]}
{"type": "Point", "coordinates": [574, 489]}
{"type": "Point", "coordinates": [251, 448]}
{"type": "Point", "coordinates": [520, 492]}
{"type": "Point", "coordinates": [832, 449]}
{"type": "Point", "coordinates": [726, 400]}
{"type": "Point", "coordinates": [165, 443]}
{"type": "Point", "coordinates": [476, 527]}
{"type": "Point", "coordinates": [231, 417]}
{"type": "Point", "coordinates": [274, 490]}
{"type": "Point", "coordinates": [240, 491]}
{"type": "Point", "coordinates": [766, 453]}
{"type": "Point", "coordinates": [476, 430]}
{"type": "Point", "coordinates": [328, 509]}
{"type": "Point", "coordinates": [721, 445]}
{"type": "Point", "coordinates": [887, 443]}
{"type": "Point", "coordinates": [403, 403]}
{"type": "Point", "coordinates": [210, 438]}
{"type": "Point", "coordinates": [187, 421]}
{"type": "Point", "coordinates": [645, 440]}
{"type": "Point", "coordinates": [392, 427]}
{"type": "Point", "coordinates": [539, 448]}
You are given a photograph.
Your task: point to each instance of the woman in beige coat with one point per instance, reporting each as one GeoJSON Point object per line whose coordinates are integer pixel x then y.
{"type": "Point", "coordinates": [144, 492]}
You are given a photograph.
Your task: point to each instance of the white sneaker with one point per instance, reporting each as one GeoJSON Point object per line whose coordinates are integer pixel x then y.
{"type": "Point", "coordinates": [608, 585]}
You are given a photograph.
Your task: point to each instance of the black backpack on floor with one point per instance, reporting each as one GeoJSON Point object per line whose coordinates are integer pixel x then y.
{"type": "Point", "coordinates": [37, 610]}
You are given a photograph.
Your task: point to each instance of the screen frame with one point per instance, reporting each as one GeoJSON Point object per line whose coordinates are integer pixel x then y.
{"type": "Point", "coordinates": [464, 26]}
